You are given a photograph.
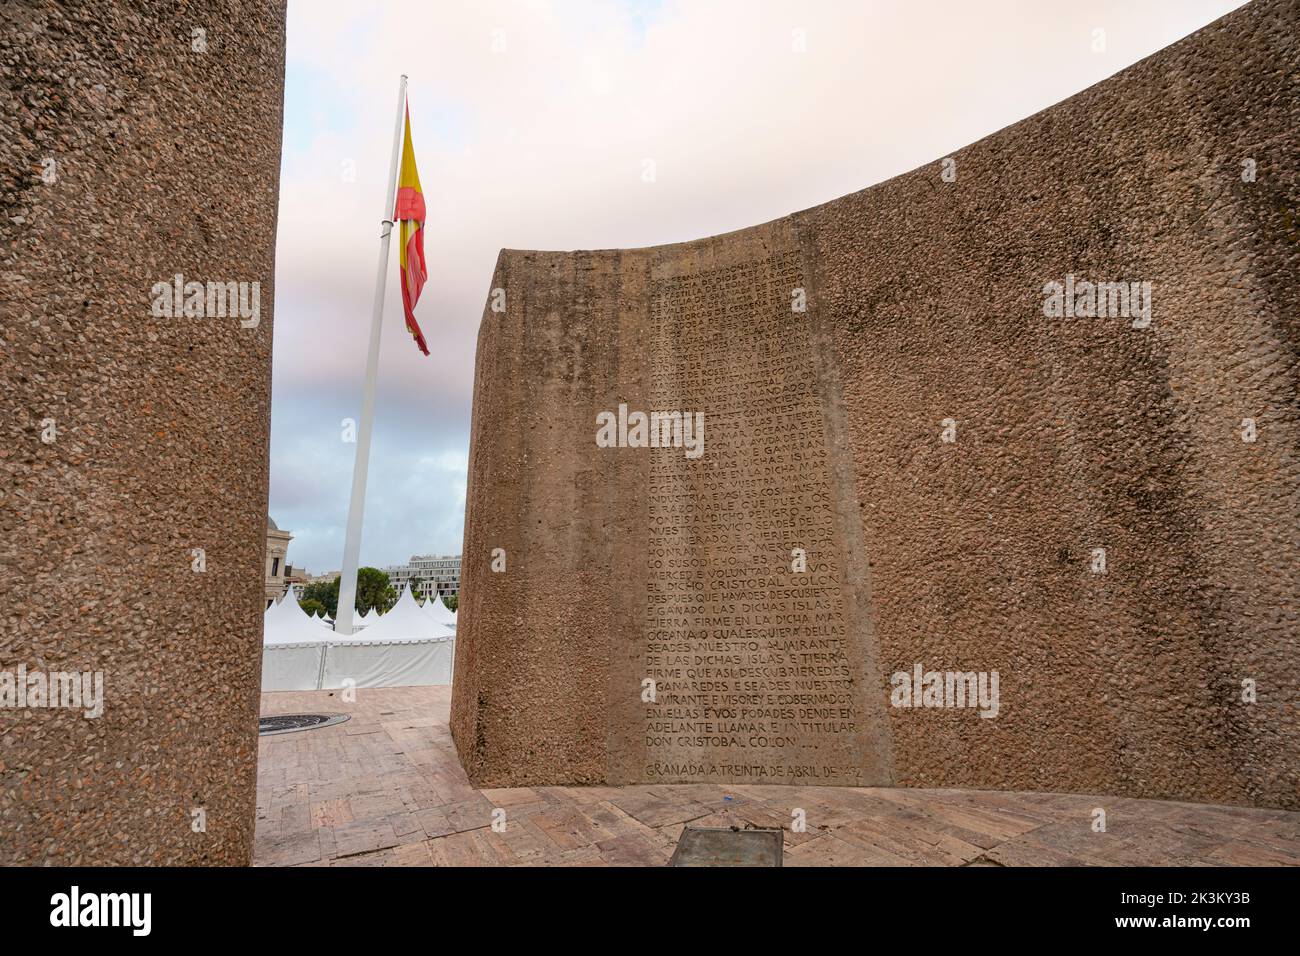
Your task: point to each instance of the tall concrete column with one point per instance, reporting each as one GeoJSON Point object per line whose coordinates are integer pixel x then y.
{"type": "Point", "coordinates": [141, 143]}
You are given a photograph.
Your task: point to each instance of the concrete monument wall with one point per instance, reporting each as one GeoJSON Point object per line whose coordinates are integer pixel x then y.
{"type": "Point", "coordinates": [141, 141]}
{"type": "Point", "coordinates": [1101, 511]}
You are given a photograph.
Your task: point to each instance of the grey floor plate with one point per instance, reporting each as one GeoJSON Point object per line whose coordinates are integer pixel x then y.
{"type": "Point", "coordinates": [725, 846]}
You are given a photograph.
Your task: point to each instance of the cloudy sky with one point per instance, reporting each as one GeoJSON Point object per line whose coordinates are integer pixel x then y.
{"type": "Point", "coordinates": [532, 121]}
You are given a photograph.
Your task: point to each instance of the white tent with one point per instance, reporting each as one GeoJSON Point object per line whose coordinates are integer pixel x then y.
{"type": "Point", "coordinates": [287, 623]}
{"type": "Point", "coordinates": [293, 647]}
{"type": "Point", "coordinates": [402, 647]}
{"type": "Point", "coordinates": [404, 622]}
{"type": "Point", "coordinates": [439, 613]}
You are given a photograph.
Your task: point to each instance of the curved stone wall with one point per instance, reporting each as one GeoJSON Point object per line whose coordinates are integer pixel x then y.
{"type": "Point", "coordinates": [141, 141]}
{"type": "Point", "coordinates": [980, 477]}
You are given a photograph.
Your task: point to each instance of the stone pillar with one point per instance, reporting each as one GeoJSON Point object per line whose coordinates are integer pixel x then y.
{"type": "Point", "coordinates": [1074, 503]}
{"type": "Point", "coordinates": [141, 143]}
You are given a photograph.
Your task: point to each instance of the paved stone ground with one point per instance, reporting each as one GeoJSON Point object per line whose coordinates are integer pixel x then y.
{"type": "Point", "coordinates": [386, 789]}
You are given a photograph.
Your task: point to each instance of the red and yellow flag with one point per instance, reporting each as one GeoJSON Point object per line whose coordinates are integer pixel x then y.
{"type": "Point", "coordinates": [410, 216]}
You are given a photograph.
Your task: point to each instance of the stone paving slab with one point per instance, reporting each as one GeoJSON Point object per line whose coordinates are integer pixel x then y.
{"type": "Point", "coordinates": [385, 789]}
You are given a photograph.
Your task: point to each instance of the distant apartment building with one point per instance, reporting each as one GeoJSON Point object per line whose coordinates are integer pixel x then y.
{"type": "Point", "coordinates": [427, 574]}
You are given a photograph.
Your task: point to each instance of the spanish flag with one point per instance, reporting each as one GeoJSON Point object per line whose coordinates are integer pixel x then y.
{"type": "Point", "coordinates": [410, 215]}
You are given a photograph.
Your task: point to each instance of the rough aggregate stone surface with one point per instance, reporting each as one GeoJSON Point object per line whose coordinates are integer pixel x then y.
{"type": "Point", "coordinates": [128, 156]}
{"type": "Point", "coordinates": [925, 303]}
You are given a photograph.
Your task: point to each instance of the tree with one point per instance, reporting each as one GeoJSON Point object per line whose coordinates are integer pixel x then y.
{"type": "Point", "coordinates": [373, 590]}
{"type": "Point", "coordinates": [451, 600]}
{"type": "Point", "coordinates": [324, 593]}
{"type": "Point", "coordinates": [311, 606]}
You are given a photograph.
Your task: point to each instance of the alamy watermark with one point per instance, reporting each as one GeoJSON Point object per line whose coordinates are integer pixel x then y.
{"type": "Point", "coordinates": [923, 688]}
{"type": "Point", "coordinates": [208, 300]}
{"type": "Point", "coordinates": [1079, 298]}
{"type": "Point", "coordinates": [75, 908]}
{"type": "Point", "coordinates": [651, 430]}
{"type": "Point", "coordinates": [40, 689]}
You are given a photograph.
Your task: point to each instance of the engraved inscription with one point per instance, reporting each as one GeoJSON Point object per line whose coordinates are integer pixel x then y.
{"type": "Point", "coordinates": [746, 648]}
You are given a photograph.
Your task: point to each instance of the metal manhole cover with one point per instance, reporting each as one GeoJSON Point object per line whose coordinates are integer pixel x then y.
{"type": "Point", "coordinates": [288, 723]}
{"type": "Point", "coordinates": [728, 846]}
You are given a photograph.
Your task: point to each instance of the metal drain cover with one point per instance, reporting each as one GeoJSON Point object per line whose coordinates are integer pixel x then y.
{"type": "Point", "coordinates": [728, 846]}
{"type": "Point", "coordinates": [288, 723]}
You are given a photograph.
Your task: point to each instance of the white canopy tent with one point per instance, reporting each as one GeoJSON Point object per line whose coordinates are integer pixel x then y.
{"type": "Point", "coordinates": [403, 647]}
{"type": "Point", "coordinates": [287, 623]}
{"type": "Point", "coordinates": [439, 613]}
{"type": "Point", "coordinates": [293, 647]}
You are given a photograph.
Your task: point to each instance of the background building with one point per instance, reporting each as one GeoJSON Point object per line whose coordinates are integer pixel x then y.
{"type": "Point", "coordinates": [281, 577]}
{"type": "Point", "coordinates": [427, 574]}
{"type": "Point", "coordinates": [295, 579]}
{"type": "Point", "coordinates": [277, 545]}
{"type": "Point", "coordinates": [299, 578]}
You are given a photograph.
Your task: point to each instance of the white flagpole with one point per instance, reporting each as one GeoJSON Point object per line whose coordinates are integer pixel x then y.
{"type": "Point", "coordinates": [357, 507]}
